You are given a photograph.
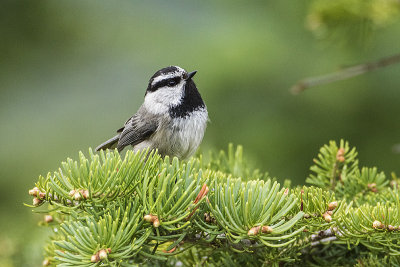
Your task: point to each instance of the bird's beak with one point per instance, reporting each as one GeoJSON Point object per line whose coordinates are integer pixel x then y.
{"type": "Point", "coordinates": [190, 75]}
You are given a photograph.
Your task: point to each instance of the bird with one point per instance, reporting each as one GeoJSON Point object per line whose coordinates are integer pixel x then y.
{"type": "Point", "coordinates": [172, 119]}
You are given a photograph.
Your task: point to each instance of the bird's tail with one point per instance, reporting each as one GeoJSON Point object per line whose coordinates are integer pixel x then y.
{"type": "Point", "coordinates": [110, 143]}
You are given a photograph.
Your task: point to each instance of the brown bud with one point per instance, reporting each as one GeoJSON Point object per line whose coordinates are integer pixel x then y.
{"type": "Point", "coordinates": [391, 227]}
{"type": "Point", "coordinates": [378, 225]}
{"type": "Point", "coordinates": [329, 212]}
{"type": "Point", "coordinates": [108, 250]}
{"type": "Point", "coordinates": [333, 205]}
{"type": "Point", "coordinates": [148, 218]}
{"type": "Point", "coordinates": [95, 258]}
{"type": "Point", "coordinates": [156, 223]}
{"type": "Point", "coordinates": [85, 193]}
{"type": "Point", "coordinates": [372, 187]}
{"type": "Point", "coordinates": [254, 230]}
{"type": "Point", "coordinates": [42, 195]}
{"type": "Point", "coordinates": [34, 191]}
{"type": "Point", "coordinates": [48, 218]}
{"type": "Point", "coordinates": [327, 217]}
{"type": "Point", "coordinates": [72, 192]}
{"type": "Point", "coordinates": [77, 195]}
{"type": "Point", "coordinates": [36, 201]}
{"type": "Point", "coordinates": [103, 254]}
{"type": "Point", "coordinates": [46, 262]}
{"type": "Point", "coordinates": [266, 229]}
{"type": "Point", "coordinates": [340, 155]}
{"type": "Point", "coordinates": [152, 219]}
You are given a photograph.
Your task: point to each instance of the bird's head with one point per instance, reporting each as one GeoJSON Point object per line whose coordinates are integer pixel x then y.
{"type": "Point", "coordinates": [167, 88]}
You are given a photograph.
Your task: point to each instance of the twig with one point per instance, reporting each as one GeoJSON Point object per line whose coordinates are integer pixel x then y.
{"type": "Point", "coordinates": [221, 241]}
{"type": "Point", "coordinates": [343, 74]}
{"type": "Point", "coordinates": [330, 234]}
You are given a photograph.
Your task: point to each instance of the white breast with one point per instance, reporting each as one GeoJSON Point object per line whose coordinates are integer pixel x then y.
{"type": "Point", "coordinates": [179, 137]}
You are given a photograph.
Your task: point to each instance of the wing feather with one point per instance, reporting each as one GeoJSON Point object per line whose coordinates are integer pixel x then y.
{"type": "Point", "coordinates": [137, 129]}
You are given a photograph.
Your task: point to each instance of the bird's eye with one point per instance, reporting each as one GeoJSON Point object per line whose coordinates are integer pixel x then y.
{"type": "Point", "coordinates": [172, 83]}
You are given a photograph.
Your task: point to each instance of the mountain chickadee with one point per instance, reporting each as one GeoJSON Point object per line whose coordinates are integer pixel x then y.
{"type": "Point", "coordinates": [172, 118]}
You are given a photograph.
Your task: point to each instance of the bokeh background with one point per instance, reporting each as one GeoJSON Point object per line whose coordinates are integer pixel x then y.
{"type": "Point", "coordinates": [72, 72]}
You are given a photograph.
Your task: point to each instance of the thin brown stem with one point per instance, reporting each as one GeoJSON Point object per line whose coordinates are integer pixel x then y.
{"type": "Point", "coordinates": [343, 74]}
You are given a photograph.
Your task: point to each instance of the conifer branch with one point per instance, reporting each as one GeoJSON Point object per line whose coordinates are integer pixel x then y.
{"type": "Point", "coordinates": [142, 209]}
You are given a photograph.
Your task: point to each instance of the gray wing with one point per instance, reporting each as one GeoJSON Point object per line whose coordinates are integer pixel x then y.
{"type": "Point", "coordinates": [137, 129]}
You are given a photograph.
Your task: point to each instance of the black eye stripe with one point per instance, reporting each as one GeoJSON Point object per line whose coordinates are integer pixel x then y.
{"type": "Point", "coordinates": [163, 83]}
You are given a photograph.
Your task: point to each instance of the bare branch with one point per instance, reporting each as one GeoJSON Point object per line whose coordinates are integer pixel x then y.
{"type": "Point", "coordinates": [343, 74]}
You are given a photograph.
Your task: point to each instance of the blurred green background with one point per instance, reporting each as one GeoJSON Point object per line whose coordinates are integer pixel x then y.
{"type": "Point", "coordinates": [72, 72]}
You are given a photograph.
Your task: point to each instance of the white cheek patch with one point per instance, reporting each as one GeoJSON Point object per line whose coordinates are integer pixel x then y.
{"type": "Point", "coordinates": [160, 101]}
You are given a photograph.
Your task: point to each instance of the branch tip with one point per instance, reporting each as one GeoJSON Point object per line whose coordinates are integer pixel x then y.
{"type": "Point", "coordinates": [333, 205]}
{"type": "Point", "coordinates": [103, 254]}
{"type": "Point", "coordinates": [391, 228]}
{"type": "Point", "coordinates": [95, 258]}
{"type": "Point", "coordinates": [152, 219]}
{"type": "Point", "coordinates": [34, 191]}
{"type": "Point", "coordinates": [48, 218]}
{"type": "Point", "coordinates": [378, 225]}
{"type": "Point", "coordinates": [327, 217]}
{"type": "Point", "coordinates": [46, 262]}
{"type": "Point", "coordinates": [257, 229]}
{"type": "Point", "coordinates": [340, 155]}
{"type": "Point", "coordinates": [372, 187]}
{"type": "Point", "coordinates": [36, 201]}
{"type": "Point", "coordinates": [100, 255]}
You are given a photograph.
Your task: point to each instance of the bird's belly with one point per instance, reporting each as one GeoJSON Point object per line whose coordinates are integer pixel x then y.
{"type": "Point", "coordinates": [180, 137]}
{"type": "Point", "coordinates": [143, 145]}
{"type": "Point", "coordinates": [188, 133]}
